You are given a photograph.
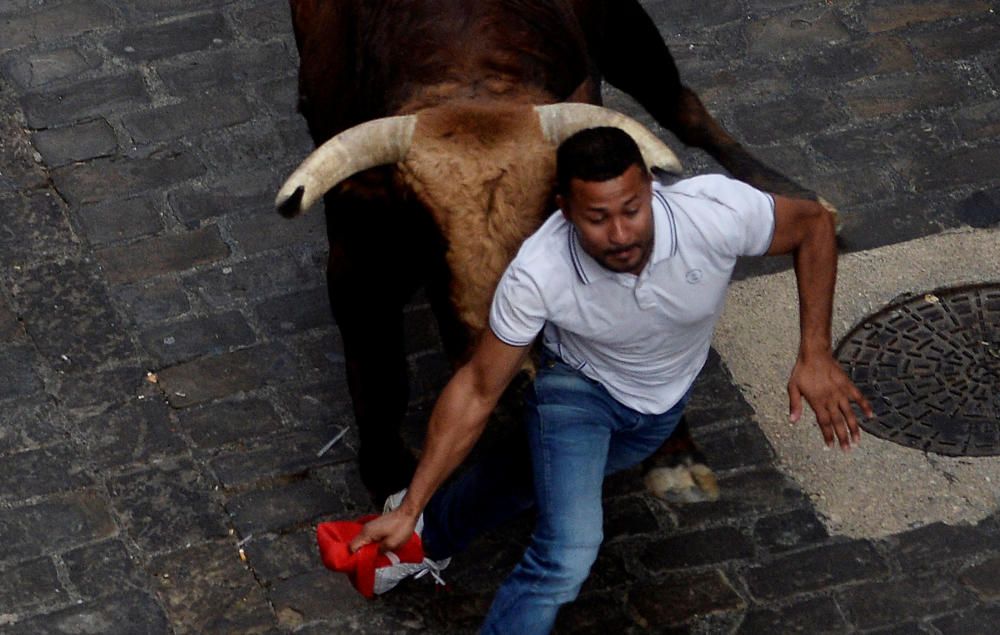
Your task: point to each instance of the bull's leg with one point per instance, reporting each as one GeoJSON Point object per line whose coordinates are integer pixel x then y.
{"type": "Point", "coordinates": [678, 472]}
{"type": "Point", "coordinates": [371, 329]}
{"type": "Point", "coordinates": [632, 46]}
{"type": "Point", "coordinates": [369, 283]}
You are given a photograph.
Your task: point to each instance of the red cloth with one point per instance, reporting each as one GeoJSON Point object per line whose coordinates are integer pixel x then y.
{"type": "Point", "coordinates": [334, 539]}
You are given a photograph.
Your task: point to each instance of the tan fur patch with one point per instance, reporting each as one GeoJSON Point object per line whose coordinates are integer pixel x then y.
{"type": "Point", "coordinates": [485, 172]}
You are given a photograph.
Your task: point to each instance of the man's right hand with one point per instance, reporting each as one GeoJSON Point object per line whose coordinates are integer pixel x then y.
{"type": "Point", "coordinates": [390, 531]}
{"type": "Point", "coordinates": [457, 421]}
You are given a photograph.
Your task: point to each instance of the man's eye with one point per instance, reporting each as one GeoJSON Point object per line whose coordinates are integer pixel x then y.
{"type": "Point", "coordinates": [631, 212]}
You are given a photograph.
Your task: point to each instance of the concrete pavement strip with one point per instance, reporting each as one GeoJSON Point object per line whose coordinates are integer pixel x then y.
{"type": "Point", "coordinates": [880, 488]}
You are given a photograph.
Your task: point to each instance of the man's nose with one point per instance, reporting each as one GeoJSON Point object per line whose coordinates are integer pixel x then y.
{"type": "Point", "coordinates": [618, 232]}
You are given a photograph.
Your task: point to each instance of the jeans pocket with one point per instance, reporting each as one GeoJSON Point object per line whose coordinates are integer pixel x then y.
{"type": "Point", "coordinates": [558, 382]}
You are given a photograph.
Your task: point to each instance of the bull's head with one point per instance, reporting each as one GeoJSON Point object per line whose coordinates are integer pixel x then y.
{"type": "Point", "coordinates": [484, 171]}
{"type": "Point", "coordinates": [389, 140]}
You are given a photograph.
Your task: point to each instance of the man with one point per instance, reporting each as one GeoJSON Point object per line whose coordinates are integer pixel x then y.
{"type": "Point", "coordinates": [627, 285]}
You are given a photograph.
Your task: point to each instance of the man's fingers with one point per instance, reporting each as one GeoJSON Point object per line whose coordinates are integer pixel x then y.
{"type": "Point", "coordinates": [864, 404]}
{"type": "Point", "coordinates": [794, 403]}
{"type": "Point", "coordinates": [855, 395]}
{"type": "Point", "coordinates": [845, 423]}
{"type": "Point", "coordinates": [852, 421]}
{"type": "Point", "coordinates": [825, 426]}
{"type": "Point", "coordinates": [359, 541]}
{"type": "Point", "coordinates": [833, 426]}
{"type": "Point", "coordinates": [836, 420]}
{"type": "Point", "coordinates": [387, 531]}
{"type": "Point", "coordinates": [832, 397]}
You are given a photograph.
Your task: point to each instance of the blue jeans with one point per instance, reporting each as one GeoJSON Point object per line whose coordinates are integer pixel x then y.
{"type": "Point", "coordinates": [577, 433]}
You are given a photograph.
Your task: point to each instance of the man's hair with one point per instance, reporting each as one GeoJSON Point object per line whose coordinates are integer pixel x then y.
{"type": "Point", "coordinates": [595, 154]}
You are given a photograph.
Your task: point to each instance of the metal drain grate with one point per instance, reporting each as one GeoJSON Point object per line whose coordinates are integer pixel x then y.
{"type": "Point", "coordinates": [930, 365]}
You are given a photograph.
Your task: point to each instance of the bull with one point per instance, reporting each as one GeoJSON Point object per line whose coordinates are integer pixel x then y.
{"type": "Point", "coordinates": [436, 123]}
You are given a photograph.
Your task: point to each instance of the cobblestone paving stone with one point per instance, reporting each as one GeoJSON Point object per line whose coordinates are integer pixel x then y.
{"type": "Point", "coordinates": [140, 145]}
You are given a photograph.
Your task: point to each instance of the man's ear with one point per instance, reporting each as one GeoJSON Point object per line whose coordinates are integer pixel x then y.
{"type": "Point", "coordinates": [648, 177]}
{"type": "Point", "coordinates": [561, 204]}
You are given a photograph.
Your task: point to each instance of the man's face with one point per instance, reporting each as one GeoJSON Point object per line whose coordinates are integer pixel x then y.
{"type": "Point", "coordinates": [614, 219]}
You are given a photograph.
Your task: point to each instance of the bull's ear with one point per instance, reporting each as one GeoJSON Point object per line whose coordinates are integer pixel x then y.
{"type": "Point", "coordinates": [560, 121]}
{"type": "Point", "coordinates": [379, 142]}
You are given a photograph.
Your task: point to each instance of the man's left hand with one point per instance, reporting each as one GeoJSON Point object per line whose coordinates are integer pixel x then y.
{"type": "Point", "coordinates": [830, 393]}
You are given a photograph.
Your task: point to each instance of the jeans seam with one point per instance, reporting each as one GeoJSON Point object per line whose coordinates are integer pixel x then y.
{"type": "Point", "coordinates": [546, 480]}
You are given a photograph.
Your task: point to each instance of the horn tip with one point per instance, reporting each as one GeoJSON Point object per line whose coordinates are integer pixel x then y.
{"type": "Point", "coordinates": [666, 167]}
{"type": "Point", "coordinates": [666, 161]}
{"type": "Point", "coordinates": [290, 205]}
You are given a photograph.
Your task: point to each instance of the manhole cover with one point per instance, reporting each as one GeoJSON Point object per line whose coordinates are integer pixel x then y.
{"type": "Point", "coordinates": [930, 365]}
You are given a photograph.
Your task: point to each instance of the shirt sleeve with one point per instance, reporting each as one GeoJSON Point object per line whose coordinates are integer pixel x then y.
{"type": "Point", "coordinates": [518, 313]}
{"type": "Point", "coordinates": [747, 214]}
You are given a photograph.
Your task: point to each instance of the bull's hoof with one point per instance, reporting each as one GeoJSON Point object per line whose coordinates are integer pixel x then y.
{"type": "Point", "coordinates": [687, 482]}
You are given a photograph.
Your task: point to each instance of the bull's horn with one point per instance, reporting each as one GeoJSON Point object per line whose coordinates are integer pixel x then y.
{"type": "Point", "coordinates": [559, 121]}
{"type": "Point", "coordinates": [367, 145]}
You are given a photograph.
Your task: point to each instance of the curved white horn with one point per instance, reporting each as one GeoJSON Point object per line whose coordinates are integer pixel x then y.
{"type": "Point", "coordinates": [378, 142]}
{"type": "Point", "coordinates": [559, 121]}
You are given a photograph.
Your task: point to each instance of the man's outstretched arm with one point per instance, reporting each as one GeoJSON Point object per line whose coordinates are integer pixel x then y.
{"type": "Point", "coordinates": [806, 230]}
{"type": "Point", "coordinates": [456, 423]}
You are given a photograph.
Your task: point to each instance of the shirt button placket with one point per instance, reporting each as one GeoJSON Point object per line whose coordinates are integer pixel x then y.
{"type": "Point", "coordinates": [644, 296]}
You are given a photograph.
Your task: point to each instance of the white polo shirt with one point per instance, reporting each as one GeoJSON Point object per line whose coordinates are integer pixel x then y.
{"type": "Point", "coordinates": [645, 338]}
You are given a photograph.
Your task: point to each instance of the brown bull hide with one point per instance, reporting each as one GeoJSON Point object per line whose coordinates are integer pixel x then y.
{"type": "Point", "coordinates": [362, 60]}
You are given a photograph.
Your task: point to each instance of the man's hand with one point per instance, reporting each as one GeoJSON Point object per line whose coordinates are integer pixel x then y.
{"type": "Point", "coordinates": [829, 392]}
{"type": "Point", "coordinates": [389, 531]}
{"type": "Point", "coordinates": [805, 229]}
{"type": "Point", "coordinates": [457, 421]}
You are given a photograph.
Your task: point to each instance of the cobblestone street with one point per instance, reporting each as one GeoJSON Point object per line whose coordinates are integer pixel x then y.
{"type": "Point", "coordinates": [169, 367]}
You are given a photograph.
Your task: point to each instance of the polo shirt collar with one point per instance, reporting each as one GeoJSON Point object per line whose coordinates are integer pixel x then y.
{"type": "Point", "coordinates": [664, 244]}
